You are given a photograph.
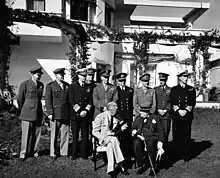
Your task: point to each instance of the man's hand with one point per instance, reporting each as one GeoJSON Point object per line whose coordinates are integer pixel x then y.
{"type": "Point", "coordinates": [50, 117]}
{"type": "Point", "coordinates": [159, 153]}
{"type": "Point", "coordinates": [133, 133]}
{"type": "Point", "coordinates": [141, 137]}
{"type": "Point", "coordinates": [83, 113]}
{"type": "Point", "coordinates": [124, 127]}
{"type": "Point", "coordinates": [144, 114]}
{"type": "Point", "coordinates": [182, 112]}
{"type": "Point", "coordinates": [161, 112]}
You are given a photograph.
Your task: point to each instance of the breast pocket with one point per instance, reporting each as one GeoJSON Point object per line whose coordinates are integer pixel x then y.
{"type": "Point", "coordinates": [31, 94]}
{"type": "Point", "coordinates": [57, 93]}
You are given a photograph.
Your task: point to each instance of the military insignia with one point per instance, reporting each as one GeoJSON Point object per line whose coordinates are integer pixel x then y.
{"type": "Point", "coordinates": [191, 89]}
{"type": "Point", "coordinates": [154, 121]}
{"type": "Point", "coordinates": [130, 90]}
{"type": "Point", "coordinates": [122, 75]}
{"type": "Point", "coordinates": [168, 91]}
{"type": "Point", "coordinates": [88, 90]}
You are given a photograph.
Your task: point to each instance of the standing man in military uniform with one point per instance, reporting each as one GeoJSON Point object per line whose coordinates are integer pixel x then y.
{"type": "Point", "coordinates": [57, 109]}
{"type": "Point", "coordinates": [104, 93]}
{"type": "Point", "coordinates": [163, 108]}
{"type": "Point", "coordinates": [29, 102]}
{"type": "Point", "coordinates": [80, 100]}
{"type": "Point", "coordinates": [125, 110]}
{"type": "Point", "coordinates": [183, 101]}
{"type": "Point", "coordinates": [147, 130]}
{"type": "Point", "coordinates": [90, 82]}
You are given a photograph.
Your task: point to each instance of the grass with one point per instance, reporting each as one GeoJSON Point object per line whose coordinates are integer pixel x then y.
{"type": "Point", "coordinates": [205, 162]}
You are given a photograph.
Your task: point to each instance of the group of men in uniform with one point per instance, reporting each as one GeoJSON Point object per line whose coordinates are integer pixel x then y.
{"type": "Point", "coordinates": [106, 111]}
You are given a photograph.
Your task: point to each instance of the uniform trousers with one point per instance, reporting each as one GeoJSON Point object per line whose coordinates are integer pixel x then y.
{"type": "Point", "coordinates": [76, 126]}
{"type": "Point", "coordinates": [142, 155]}
{"type": "Point", "coordinates": [63, 127]}
{"type": "Point", "coordinates": [30, 138]}
{"type": "Point", "coordinates": [182, 137]}
{"type": "Point", "coordinates": [166, 124]}
{"type": "Point", "coordinates": [113, 152]}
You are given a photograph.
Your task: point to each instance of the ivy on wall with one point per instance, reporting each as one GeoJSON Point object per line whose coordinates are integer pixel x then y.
{"type": "Point", "coordinates": [79, 36]}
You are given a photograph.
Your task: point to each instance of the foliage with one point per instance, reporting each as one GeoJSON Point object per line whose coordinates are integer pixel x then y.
{"type": "Point", "coordinates": [141, 40]}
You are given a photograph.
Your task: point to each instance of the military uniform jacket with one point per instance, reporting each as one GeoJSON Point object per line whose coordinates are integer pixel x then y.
{"type": "Point", "coordinates": [151, 129]}
{"type": "Point", "coordinates": [182, 98]}
{"type": "Point", "coordinates": [163, 100]}
{"type": "Point", "coordinates": [146, 99]}
{"type": "Point", "coordinates": [56, 100]}
{"type": "Point", "coordinates": [125, 103]}
{"type": "Point", "coordinates": [81, 96]}
{"type": "Point", "coordinates": [101, 96]}
{"type": "Point", "coordinates": [29, 100]}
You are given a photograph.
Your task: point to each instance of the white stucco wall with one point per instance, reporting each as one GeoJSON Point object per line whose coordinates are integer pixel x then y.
{"type": "Point", "coordinates": [25, 56]}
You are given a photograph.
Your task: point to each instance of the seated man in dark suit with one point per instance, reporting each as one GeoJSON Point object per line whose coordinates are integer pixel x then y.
{"type": "Point", "coordinates": [147, 130]}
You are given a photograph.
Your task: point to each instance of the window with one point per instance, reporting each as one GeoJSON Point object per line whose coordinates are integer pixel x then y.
{"type": "Point", "coordinates": [79, 10]}
{"type": "Point", "coordinates": [108, 16]}
{"type": "Point", "coordinates": [37, 5]}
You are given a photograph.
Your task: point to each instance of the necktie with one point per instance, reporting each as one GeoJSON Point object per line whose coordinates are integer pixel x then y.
{"type": "Point", "coordinates": [61, 85]}
{"type": "Point", "coordinates": [82, 85]}
{"type": "Point", "coordinates": [111, 123]}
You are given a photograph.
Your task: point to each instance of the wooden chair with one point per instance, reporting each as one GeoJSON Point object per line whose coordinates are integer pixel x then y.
{"type": "Point", "coordinates": [99, 151]}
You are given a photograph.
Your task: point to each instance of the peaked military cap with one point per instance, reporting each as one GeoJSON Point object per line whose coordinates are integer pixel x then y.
{"type": "Point", "coordinates": [59, 71]}
{"type": "Point", "coordinates": [105, 73]}
{"type": "Point", "coordinates": [36, 70]}
{"type": "Point", "coordinates": [81, 72]}
{"type": "Point", "coordinates": [183, 73]}
{"type": "Point", "coordinates": [91, 71]}
{"type": "Point", "coordinates": [163, 76]}
{"type": "Point", "coordinates": [145, 77]}
{"type": "Point", "coordinates": [121, 76]}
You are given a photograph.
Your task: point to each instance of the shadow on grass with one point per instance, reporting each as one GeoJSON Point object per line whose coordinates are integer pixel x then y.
{"type": "Point", "coordinates": [196, 149]}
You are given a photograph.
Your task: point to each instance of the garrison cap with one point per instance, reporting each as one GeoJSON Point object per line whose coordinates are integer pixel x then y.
{"type": "Point", "coordinates": [121, 76]}
{"type": "Point", "coordinates": [105, 73]}
{"type": "Point", "coordinates": [183, 73]}
{"type": "Point", "coordinates": [59, 71]}
{"type": "Point", "coordinates": [36, 70]}
{"type": "Point", "coordinates": [163, 76]}
{"type": "Point", "coordinates": [91, 71]}
{"type": "Point", "coordinates": [145, 77]}
{"type": "Point", "coordinates": [81, 72]}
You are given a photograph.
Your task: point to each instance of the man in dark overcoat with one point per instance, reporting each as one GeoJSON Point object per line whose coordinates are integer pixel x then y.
{"type": "Point", "coordinates": [29, 102]}
{"type": "Point", "coordinates": [57, 109]}
{"type": "Point", "coordinates": [147, 130]}
{"type": "Point", "coordinates": [80, 100]}
{"type": "Point", "coordinates": [104, 93]}
{"type": "Point", "coordinates": [163, 109]}
{"type": "Point", "coordinates": [183, 100]}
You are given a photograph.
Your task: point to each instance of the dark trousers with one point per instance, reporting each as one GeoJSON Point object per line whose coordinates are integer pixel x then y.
{"type": "Point", "coordinates": [142, 155]}
{"type": "Point", "coordinates": [76, 126]}
{"type": "Point", "coordinates": [182, 137]}
{"type": "Point", "coordinates": [166, 124]}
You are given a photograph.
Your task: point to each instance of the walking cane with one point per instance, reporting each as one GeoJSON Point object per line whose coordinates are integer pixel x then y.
{"type": "Point", "coordinates": [151, 164]}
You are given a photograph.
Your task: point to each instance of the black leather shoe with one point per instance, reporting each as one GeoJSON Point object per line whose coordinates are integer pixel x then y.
{"type": "Point", "coordinates": [124, 171]}
{"type": "Point", "coordinates": [141, 170]}
{"type": "Point", "coordinates": [112, 174]}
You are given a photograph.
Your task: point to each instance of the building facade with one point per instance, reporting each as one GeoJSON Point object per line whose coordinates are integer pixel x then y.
{"type": "Point", "coordinates": [47, 47]}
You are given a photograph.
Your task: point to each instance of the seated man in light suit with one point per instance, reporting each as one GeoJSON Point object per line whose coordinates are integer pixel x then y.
{"type": "Point", "coordinates": [104, 129]}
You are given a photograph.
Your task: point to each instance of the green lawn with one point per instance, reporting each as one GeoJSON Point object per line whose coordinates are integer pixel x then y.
{"type": "Point", "coordinates": [204, 164]}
